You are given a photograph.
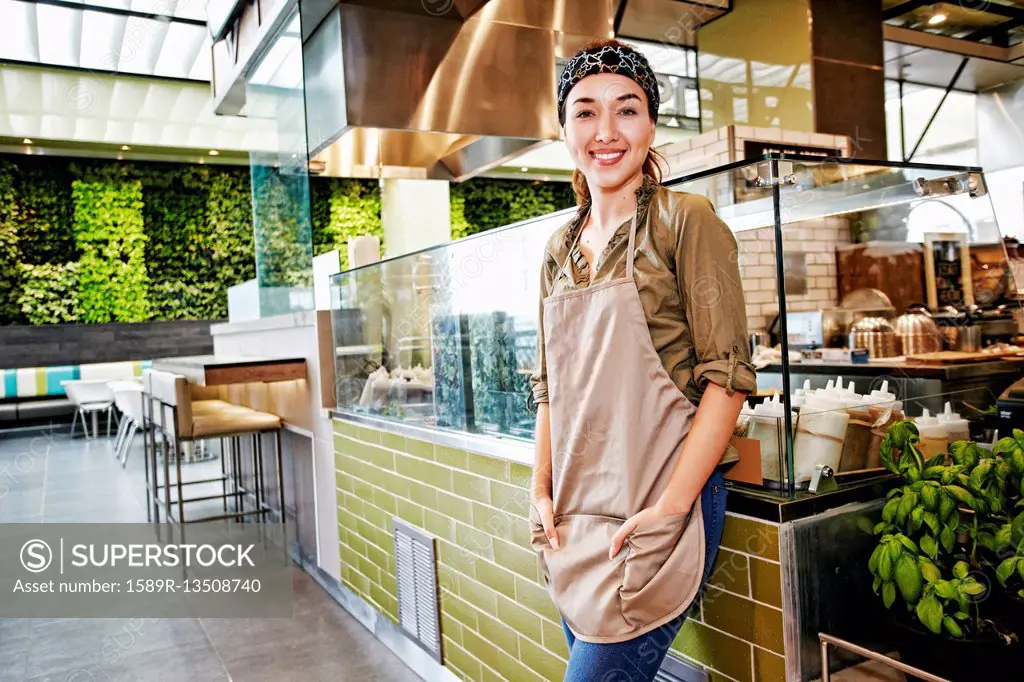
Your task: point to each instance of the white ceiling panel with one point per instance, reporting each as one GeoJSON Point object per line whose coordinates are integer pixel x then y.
{"type": "Point", "coordinates": [170, 40]}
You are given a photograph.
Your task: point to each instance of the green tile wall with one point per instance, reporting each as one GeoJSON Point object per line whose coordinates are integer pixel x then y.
{"type": "Point", "coordinates": [497, 620]}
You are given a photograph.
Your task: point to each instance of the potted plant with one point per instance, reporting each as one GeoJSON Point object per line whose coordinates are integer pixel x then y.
{"type": "Point", "coordinates": [1007, 545]}
{"type": "Point", "coordinates": [936, 535]}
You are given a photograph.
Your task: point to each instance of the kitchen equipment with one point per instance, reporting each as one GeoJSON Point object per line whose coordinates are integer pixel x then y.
{"type": "Point", "coordinates": [948, 357]}
{"type": "Point", "coordinates": [1011, 408]}
{"type": "Point", "coordinates": [758, 339]}
{"type": "Point", "coordinates": [878, 336]}
{"type": "Point", "coordinates": [805, 329]}
{"type": "Point", "coordinates": [933, 435]}
{"type": "Point", "coordinates": [918, 332]}
{"type": "Point", "coordinates": [969, 339]}
{"type": "Point", "coordinates": [957, 428]}
{"type": "Point", "coordinates": [868, 300]}
{"type": "Point", "coordinates": [767, 425]}
{"type": "Point", "coordinates": [820, 433]}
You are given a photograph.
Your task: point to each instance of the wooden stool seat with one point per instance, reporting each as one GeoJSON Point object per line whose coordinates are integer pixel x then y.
{"type": "Point", "coordinates": [229, 421]}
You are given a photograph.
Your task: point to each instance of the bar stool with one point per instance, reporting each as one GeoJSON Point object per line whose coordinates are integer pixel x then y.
{"type": "Point", "coordinates": [180, 420]}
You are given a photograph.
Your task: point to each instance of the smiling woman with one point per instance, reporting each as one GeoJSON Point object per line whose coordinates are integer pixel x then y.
{"type": "Point", "coordinates": [642, 368]}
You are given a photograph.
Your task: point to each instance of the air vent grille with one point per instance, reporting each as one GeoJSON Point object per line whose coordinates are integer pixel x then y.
{"type": "Point", "coordinates": [416, 568]}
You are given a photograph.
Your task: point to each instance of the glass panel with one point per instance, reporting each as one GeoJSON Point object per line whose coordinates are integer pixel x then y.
{"type": "Point", "coordinates": [446, 337]}
{"type": "Point", "coordinates": [280, 183]}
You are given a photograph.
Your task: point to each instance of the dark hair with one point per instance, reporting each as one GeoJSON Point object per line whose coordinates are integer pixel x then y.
{"type": "Point", "coordinates": [653, 164]}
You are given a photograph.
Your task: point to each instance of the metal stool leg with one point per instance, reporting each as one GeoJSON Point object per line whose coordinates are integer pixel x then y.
{"type": "Point", "coordinates": [280, 474]}
{"type": "Point", "coordinates": [224, 477]}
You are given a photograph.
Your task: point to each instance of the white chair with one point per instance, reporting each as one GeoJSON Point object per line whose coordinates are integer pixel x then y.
{"type": "Point", "coordinates": [90, 396]}
{"type": "Point", "coordinates": [128, 400]}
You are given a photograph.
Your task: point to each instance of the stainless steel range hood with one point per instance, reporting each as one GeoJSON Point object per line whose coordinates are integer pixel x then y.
{"type": "Point", "coordinates": [450, 89]}
{"type": "Point", "coordinates": [396, 90]}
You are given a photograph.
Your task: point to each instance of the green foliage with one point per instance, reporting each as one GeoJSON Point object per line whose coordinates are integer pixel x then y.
{"type": "Point", "coordinates": [343, 209]}
{"type": "Point", "coordinates": [197, 234]}
{"type": "Point", "coordinates": [10, 254]}
{"type": "Point", "coordinates": [113, 284]}
{"type": "Point", "coordinates": [49, 293]}
{"type": "Point", "coordinates": [479, 204]}
{"type": "Point", "coordinates": [948, 524]}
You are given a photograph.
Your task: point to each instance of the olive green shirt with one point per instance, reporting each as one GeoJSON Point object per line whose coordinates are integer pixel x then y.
{"type": "Point", "coordinates": [687, 273]}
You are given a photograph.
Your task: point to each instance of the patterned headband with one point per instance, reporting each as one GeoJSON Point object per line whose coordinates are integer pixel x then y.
{"type": "Point", "coordinates": [624, 61]}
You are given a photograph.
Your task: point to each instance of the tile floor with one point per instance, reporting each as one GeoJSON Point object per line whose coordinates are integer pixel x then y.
{"type": "Point", "coordinates": [46, 477]}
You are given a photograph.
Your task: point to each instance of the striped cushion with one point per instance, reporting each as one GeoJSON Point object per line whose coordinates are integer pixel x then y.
{"type": "Point", "coordinates": [40, 382]}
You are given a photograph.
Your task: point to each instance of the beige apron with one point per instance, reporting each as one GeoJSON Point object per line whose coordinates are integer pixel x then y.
{"type": "Point", "coordinates": [617, 424]}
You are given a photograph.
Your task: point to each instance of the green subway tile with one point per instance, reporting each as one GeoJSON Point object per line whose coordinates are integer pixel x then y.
{"type": "Point", "coordinates": [483, 650]}
{"type": "Point", "coordinates": [376, 516]}
{"type": "Point", "coordinates": [471, 487]}
{"type": "Point", "coordinates": [369, 569]}
{"type": "Point", "coordinates": [362, 490]}
{"type": "Point", "coordinates": [396, 485]}
{"type": "Point", "coordinates": [410, 513]}
{"type": "Point", "coordinates": [408, 466]}
{"type": "Point", "coordinates": [362, 584]}
{"type": "Point", "coordinates": [365, 528]}
{"type": "Point", "coordinates": [384, 459]}
{"type": "Point", "coordinates": [385, 501]}
{"type": "Point", "coordinates": [342, 481]}
{"type": "Point", "coordinates": [341, 426]}
{"type": "Point", "coordinates": [498, 634]}
{"type": "Point", "coordinates": [461, 659]}
{"type": "Point", "coordinates": [458, 609]}
{"type": "Point", "coordinates": [718, 677]}
{"type": "Point", "coordinates": [369, 435]}
{"type": "Point", "coordinates": [392, 441]}
{"type": "Point", "coordinates": [455, 507]}
{"type": "Point", "coordinates": [419, 448]}
{"type": "Point", "coordinates": [381, 598]}
{"type": "Point", "coordinates": [520, 474]}
{"type": "Point", "coordinates": [534, 597]}
{"type": "Point", "coordinates": [730, 572]}
{"type": "Point", "coordinates": [526, 623]}
{"type": "Point", "coordinates": [541, 661]}
{"type": "Point", "coordinates": [768, 667]}
{"type": "Point", "coordinates": [509, 499]}
{"type": "Point", "coordinates": [341, 444]}
{"type": "Point", "coordinates": [716, 649]}
{"type": "Point", "coordinates": [766, 582]}
{"type": "Point", "coordinates": [384, 539]}
{"type": "Point", "coordinates": [448, 578]}
{"type": "Point", "coordinates": [423, 495]}
{"type": "Point", "coordinates": [758, 538]}
{"type": "Point", "coordinates": [357, 543]}
{"type": "Point", "coordinates": [496, 578]}
{"type": "Point", "coordinates": [501, 525]}
{"type": "Point", "coordinates": [489, 467]}
{"type": "Point", "coordinates": [491, 676]}
{"type": "Point", "coordinates": [478, 595]}
{"type": "Point", "coordinates": [458, 558]}
{"type": "Point", "coordinates": [375, 476]}
{"type": "Point", "coordinates": [436, 475]}
{"type": "Point", "coordinates": [457, 459]}
{"type": "Point", "coordinates": [745, 619]}
{"type": "Point", "coordinates": [516, 559]}
{"type": "Point", "coordinates": [439, 525]}
{"type": "Point", "coordinates": [512, 669]}
{"type": "Point", "coordinates": [378, 556]}
{"type": "Point", "coordinates": [348, 556]}
{"type": "Point", "coordinates": [473, 540]}
{"type": "Point", "coordinates": [451, 628]}
{"type": "Point", "coordinates": [554, 638]}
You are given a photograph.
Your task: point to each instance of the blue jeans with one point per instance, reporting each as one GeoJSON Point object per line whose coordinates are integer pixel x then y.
{"type": "Point", "coordinates": [638, 659]}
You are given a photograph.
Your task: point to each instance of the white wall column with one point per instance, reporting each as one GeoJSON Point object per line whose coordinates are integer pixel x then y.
{"type": "Point", "coordinates": [415, 214]}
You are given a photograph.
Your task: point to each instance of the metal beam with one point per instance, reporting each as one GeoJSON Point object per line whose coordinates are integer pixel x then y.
{"type": "Point", "coordinates": [1003, 29]}
{"type": "Point", "coordinates": [116, 11]}
{"type": "Point", "coordinates": [949, 88]}
{"type": "Point", "coordinates": [902, 8]}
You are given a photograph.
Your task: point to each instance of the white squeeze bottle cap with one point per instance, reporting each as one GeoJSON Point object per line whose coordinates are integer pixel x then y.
{"type": "Point", "coordinates": [770, 408]}
{"type": "Point", "coordinates": [929, 426]}
{"type": "Point", "coordinates": [955, 424]}
{"type": "Point", "coordinates": [806, 390]}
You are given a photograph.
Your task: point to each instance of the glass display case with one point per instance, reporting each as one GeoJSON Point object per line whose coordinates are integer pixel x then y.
{"type": "Point", "coordinates": [874, 291]}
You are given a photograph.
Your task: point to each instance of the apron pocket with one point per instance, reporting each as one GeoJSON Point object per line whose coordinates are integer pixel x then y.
{"type": "Point", "coordinates": [584, 583]}
{"type": "Point", "coordinates": [662, 572]}
{"type": "Point", "coordinates": [651, 546]}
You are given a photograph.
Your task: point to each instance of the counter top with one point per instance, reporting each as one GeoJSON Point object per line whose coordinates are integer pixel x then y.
{"type": "Point", "coordinates": [968, 370]}
{"type": "Point", "coordinates": [221, 370]}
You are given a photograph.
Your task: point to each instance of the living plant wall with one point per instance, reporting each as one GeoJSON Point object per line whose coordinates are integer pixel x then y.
{"type": "Point", "coordinates": [88, 241]}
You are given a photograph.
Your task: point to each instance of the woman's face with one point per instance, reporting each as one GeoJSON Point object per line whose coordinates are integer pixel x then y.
{"type": "Point", "coordinates": [607, 129]}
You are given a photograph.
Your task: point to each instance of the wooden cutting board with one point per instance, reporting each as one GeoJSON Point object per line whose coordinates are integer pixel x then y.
{"type": "Point", "coordinates": [949, 357]}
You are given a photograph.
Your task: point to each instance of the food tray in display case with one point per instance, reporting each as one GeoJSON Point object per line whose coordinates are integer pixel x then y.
{"type": "Point", "coordinates": [446, 337]}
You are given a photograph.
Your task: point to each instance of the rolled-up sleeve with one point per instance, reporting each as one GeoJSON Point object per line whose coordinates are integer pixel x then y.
{"type": "Point", "coordinates": [709, 282]}
{"type": "Point", "coordinates": [539, 378]}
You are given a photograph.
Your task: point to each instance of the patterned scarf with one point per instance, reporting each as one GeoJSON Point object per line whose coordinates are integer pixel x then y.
{"type": "Point", "coordinates": [624, 61]}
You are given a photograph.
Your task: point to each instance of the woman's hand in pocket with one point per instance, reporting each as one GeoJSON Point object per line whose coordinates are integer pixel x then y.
{"type": "Point", "coordinates": [545, 511]}
{"type": "Point", "coordinates": [647, 517]}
